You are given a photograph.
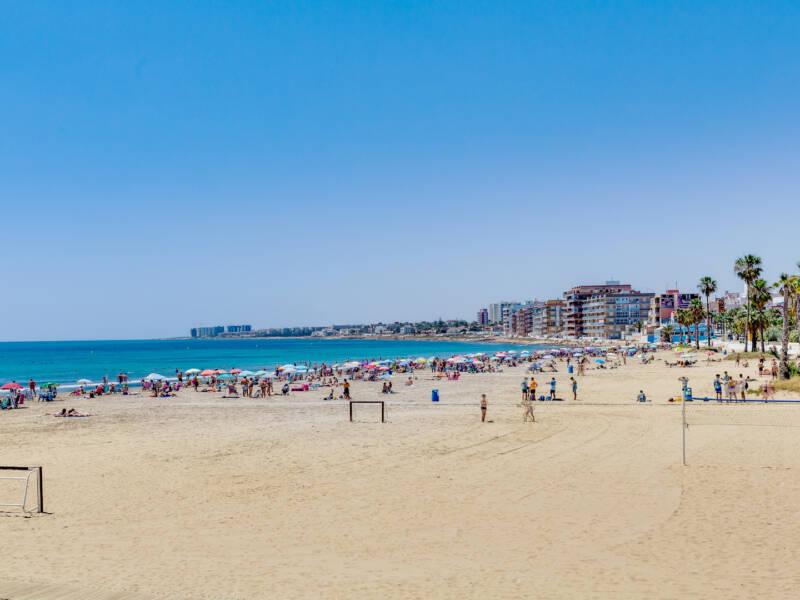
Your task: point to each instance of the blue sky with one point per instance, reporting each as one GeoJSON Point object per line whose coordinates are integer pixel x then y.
{"type": "Point", "coordinates": [166, 165]}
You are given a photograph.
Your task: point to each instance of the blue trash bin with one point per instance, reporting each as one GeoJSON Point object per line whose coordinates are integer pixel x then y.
{"type": "Point", "coordinates": [569, 370]}
{"type": "Point", "coordinates": [434, 395]}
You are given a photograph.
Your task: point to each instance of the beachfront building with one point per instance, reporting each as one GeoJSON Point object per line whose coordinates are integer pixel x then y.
{"type": "Point", "coordinates": [521, 318]}
{"type": "Point", "coordinates": [496, 312]}
{"type": "Point", "coordinates": [547, 320]}
{"type": "Point", "coordinates": [663, 306]}
{"type": "Point", "coordinates": [238, 328]}
{"type": "Point", "coordinates": [200, 332]}
{"type": "Point", "coordinates": [605, 311]}
{"type": "Point", "coordinates": [483, 317]}
{"type": "Point", "coordinates": [576, 297]}
{"type": "Point", "coordinates": [612, 314]}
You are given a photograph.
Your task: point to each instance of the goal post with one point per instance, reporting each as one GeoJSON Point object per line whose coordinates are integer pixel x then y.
{"type": "Point", "coordinates": [27, 476]}
{"type": "Point", "coordinates": [381, 402]}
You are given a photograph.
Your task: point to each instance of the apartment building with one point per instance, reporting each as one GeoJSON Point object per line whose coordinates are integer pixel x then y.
{"type": "Point", "coordinates": [547, 321]}
{"type": "Point", "coordinates": [663, 306]}
{"type": "Point", "coordinates": [610, 315]}
{"type": "Point", "coordinates": [605, 310]}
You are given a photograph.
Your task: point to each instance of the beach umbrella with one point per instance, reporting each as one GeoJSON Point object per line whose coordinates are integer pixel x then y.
{"type": "Point", "coordinates": [84, 382]}
{"type": "Point", "coordinates": [245, 373]}
{"type": "Point", "coordinates": [421, 360]}
{"type": "Point", "coordinates": [191, 371]}
{"type": "Point", "coordinates": [207, 372]}
{"type": "Point", "coordinates": [548, 356]}
{"type": "Point", "coordinates": [353, 364]}
{"type": "Point", "coordinates": [154, 377]}
{"type": "Point", "coordinates": [597, 360]}
{"type": "Point", "coordinates": [224, 376]}
{"type": "Point", "coordinates": [261, 373]}
{"type": "Point", "coordinates": [11, 386]}
{"type": "Point", "coordinates": [235, 371]}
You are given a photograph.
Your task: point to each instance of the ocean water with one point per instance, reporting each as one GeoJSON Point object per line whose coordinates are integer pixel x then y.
{"type": "Point", "coordinates": [66, 362]}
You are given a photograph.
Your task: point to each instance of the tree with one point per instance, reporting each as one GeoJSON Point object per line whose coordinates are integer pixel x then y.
{"type": "Point", "coordinates": [684, 319]}
{"type": "Point", "coordinates": [761, 298]}
{"type": "Point", "coordinates": [696, 315]}
{"type": "Point", "coordinates": [748, 269]}
{"type": "Point", "coordinates": [786, 285]}
{"type": "Point", "coordinates": [639, 326]}
{"type": "Point", "coordinates": [707, 286]}
{"type": "Point", "coordinates": [666, 333]}
{"type": "Point", "coordinates": [724, 319]}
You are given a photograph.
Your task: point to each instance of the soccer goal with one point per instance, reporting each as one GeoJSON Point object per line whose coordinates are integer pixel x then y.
{"type": "Point", "coordinates": [23, 488]}
{"type": "Point", "coordinates": [359, 402]}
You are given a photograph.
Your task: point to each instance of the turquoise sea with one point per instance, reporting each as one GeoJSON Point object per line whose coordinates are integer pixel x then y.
{"type": "Point", "coordinates": [66, 362]}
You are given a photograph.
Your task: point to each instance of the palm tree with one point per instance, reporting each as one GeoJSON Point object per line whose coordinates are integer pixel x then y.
{"type": "Point", "coordinates": [761, 298]}
{"type": "Point", "coordinates": [696, 313]}
{"type": "Point", "coordinates": [666, 333]}
{"type": "Point", "coordinates": [748, 269]}
{"type": "Point", "coordinates": [724, 319]}
{"type": "Point", "coordinates": [786, 285]}
{"type": "Point", "coordinates": [684, 319]}
{"type": "Point", "coordinates": [707, 286]}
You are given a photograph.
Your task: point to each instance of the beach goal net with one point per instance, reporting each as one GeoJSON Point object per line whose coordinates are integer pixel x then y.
{"type": "Point", "coordinates": [21, 489]}
{"type": "Point", "coordinates": [367, 411]}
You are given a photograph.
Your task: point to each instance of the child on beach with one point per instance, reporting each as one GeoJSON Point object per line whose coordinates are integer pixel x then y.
{"type": "Point", "coordinates": [574, 388]}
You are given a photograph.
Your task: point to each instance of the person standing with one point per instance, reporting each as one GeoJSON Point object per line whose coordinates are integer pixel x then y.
{"type": "Point", "coordinates": [574, 388]}
{"type": "Point", "coordinates": [553, 388]}
{"type": "Point", "coordinates": [346, 394]}
{"type": "Point", "coordinates": [717, 388]}
{"type": "Point", "coordinates": [533, 388]}
{"type": "Point", "coordinates": [483, 407]}
{"type": "Point", "coordinates": [32, 388]}
{"type": "Point", "coordinates": [524, 389]}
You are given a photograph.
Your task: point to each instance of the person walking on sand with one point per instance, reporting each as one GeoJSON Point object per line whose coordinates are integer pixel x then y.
{"type": "Point", "coordinates": [553, 388]}
{"type": "Point", "coordinates": [574, 388]}
{"type": "Point", "coordinates": [483, 408]}
{"type": "Point", "coordinates": [346, 394]}
{"type": "Point", "coordinates": [533, 388]}
{"type": "Point", "coordinates": [527, 410]}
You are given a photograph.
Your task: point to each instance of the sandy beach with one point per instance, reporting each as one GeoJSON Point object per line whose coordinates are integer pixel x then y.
{"type": "Point", "coordinates": [208, 498]}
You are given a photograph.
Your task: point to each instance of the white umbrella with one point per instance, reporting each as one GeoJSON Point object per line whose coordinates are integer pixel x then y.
{"type": "Point", "coordinates": [191, 371]}
{"type": "Point", "coordinates": [154, 377]}
{"type": "Point", "coordinates": [246, 374]}
{"type": "Point", "coordinates": [84, 381]}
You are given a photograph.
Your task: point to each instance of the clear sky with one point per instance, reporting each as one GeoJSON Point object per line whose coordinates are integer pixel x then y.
{"type": "Point", "coordinates": [171, 164]}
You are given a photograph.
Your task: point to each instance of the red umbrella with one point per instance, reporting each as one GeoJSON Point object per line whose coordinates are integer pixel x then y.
{"type": "Point", "coordinates": [11, 386]}
{"type": "Point", "coordinates": [207, 372]}
{"type": "Point", "coordinates": [235, 371]}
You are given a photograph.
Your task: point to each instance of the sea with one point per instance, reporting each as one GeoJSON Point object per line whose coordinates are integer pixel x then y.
{"type": "Point", "coordinates": [65, 362]}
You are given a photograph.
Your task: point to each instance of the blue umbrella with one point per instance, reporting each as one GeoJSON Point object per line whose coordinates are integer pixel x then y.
{"type": "Point", "coordinates": [597, 360]}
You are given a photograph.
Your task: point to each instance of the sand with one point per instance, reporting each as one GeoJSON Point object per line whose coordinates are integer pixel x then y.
{"type": "Point", "coordinates": [201, 497]}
